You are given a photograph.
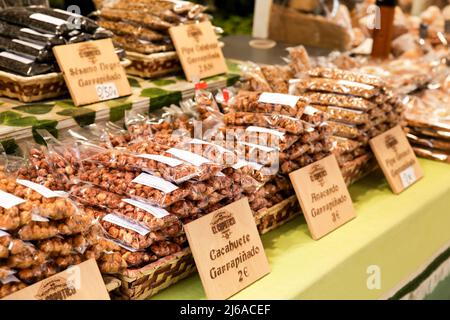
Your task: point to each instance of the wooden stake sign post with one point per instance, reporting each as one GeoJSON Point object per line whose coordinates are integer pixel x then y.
{"type": "Point", "coordinates": [199, 51]}
{"type": "Point", "coordinates": [227, 250]}
{"type": "Point", "coordinates": [397, 159]}
{"type": "Point", "coordinates": [323, 196]}
{"type": "Point", "coordinates": [92, 71]}
{"type": "Point", "coordinates": [80, 282]}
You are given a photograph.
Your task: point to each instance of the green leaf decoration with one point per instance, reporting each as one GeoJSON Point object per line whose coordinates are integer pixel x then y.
{"type": "Point", "coordinates": [65, 104]}
{"type": "Point", "coordinates": [35, 108]}
{"type": "Point", "coordinates": [134, 82]}
{"type": "Point", "coordinates": [82, 116]}
{"type": "Point", "coordinates": [49, 125]}
{"type": "Point", "coordinates": [118, 108]}
{"type": "Point", "coordinates": [21, 122]}
{"type": "Point", "coordinates": [161, 98]}
{"type": "Point", "coordinates": [10, 146]}
{"type": "Point", "coordinates": [212, 79]}
{"type": "Point", "coordinates": [163, 82]}
{"type": "Point", "coordinates": [9, 115]}
{"type": "Point", "coordinates": [180, 78]}
{"type": "Point", "coordinates": [232, 79]}
{"type": "Point", "coordinates": [233, 67]}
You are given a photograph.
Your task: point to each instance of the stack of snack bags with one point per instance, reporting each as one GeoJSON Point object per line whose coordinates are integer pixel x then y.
{"type": "Point", "coordinates": [428, 117]}
{"type": "Point", "coordinates": [28, 34]}
{"type": "Point", "coordinates": [359, 106]}
{"type": "Point", "coordinates": [42, 232]}
{"type": "Point", "coordinates": [142, 26]}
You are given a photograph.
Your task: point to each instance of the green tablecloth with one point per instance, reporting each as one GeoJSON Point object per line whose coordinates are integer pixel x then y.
{"type": "Point", "coordinates": [399, 235]}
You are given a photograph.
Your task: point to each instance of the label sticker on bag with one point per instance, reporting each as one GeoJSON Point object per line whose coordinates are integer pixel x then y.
{"type": "Point", "coordinates": [155, 183]}
{"type": "Point", "coordinates": [4, 234]}
{"type": "Point", "coordinates": [127, 224]}
{"type": "Point", "coordinates": [310, 111]}
{"type": "Point", "coordinates": [48, 19]}
{"type": "Point", "coordinates": [37, 218]}
{"type": "Point", "coordinates": [265, 130]}
{"type": "Point", "coordinates": [15, 57]}
{"type": "Point", "coordinates": [43, 191]}
{"type": "Point", "coordinates": [9, 279]}
{"type": "Point", "coordinates": [172, 162]}
{"type": "Point", "coordinates": [155, 211]}
{"type": "Point", "coordinates": [279, 98]}
{"type": "Point", "coordinates": [202, 142]}
{"type": "Point", "coordinates": [257, 146]}
{"type": "Point", "coordinates": [8, 200]}
{"type": "Point", "coordinates": [29, 44]}
{"type": "Point", "coordinates": [34, 32]}
{"type": "Point", "coordinates": [187, 156]}
{"type": "Point", "coordinates": [242, 163]}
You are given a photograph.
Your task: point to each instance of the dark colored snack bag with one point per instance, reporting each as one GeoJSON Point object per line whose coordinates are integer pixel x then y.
{"type": "Point", "coordinates": [23, 66]}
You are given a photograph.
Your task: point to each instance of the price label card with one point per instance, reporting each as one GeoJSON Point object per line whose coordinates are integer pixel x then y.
{"type": "Point", "coordinates": [323, 196]}
{"type": "Point", "coordinates": [227, 250]}
{"type": "Point", "coordinates": [80, 282]}
{"type": "Point", "coordinates": [397, 159]}
{"type": "Point", "coordinates": [199, 50]}
{"type": "Point", "coordinates": [92, 71]}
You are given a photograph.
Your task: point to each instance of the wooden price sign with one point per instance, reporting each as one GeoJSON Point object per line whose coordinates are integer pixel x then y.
{"type": "Point", "coordinates": [199, 51]}
{"type": "Point", "coordinates": [80, 282]}
{"type": "Point", "coordinates": [397, 159]}
{"type": "Point", "coordinates": [323, 196]}
{"type": "Point", "coordinates": [92, 71]}
{"type": "Point", "coordinates": [227, 250]}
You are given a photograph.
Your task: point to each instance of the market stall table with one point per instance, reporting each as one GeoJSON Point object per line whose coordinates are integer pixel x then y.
{"type": "Point", "coordinates": [17, 120]}
{"type": "Point", "coordinates": [403, 241]}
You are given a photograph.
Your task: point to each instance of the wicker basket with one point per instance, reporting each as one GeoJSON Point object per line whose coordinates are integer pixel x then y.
{"type": "Point", "coordinates": [145, 282]}
{"type": "Point", "coordinates": [153, 65]}
{"type": "Point", "coordinates": [32, 89]}
{"type": "Point", "coordinates": [36, 88]}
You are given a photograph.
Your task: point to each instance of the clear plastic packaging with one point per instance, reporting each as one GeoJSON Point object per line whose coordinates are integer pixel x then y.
{"type": "Point", "coordinates": [429, 142]}
{"type": "Point", "coordinates": [136, 17]}
{"type": "Point", "coordinates": [23, 66]}
{"type": "Point", "coordinates": [339, 100]}
{"type": "Point", "coordinates": [298, 59]}
{"type": "Point", "coordinates": [275, 121]}
{"type": "Point", "coordinates": [130, 30]}
{"type": "Point", "coordinates": [15, 32]}
{"type": "Point", "coordinates": [143, 186]}
{"type": "Point", "coordinates": [142, 46]}
{"type": "Point", "coordinates": [339, 74]}
{"type": "Point", "coordinates": [432, 154]}
{"type": "Point", "coordinates": [37, 21]}
{"type": "Point", "coordinates": [343, 145]}
{"type": "Point", "coordinates": [345, 115]}
{"type": "Point", "coordinates": [164, 166]}
{"type": "Point", "coordinates": [74, 20]}
{"type": "Point", "coordinates": [337, 86]}
{"type": "Point", "coordinates": [253, 78]}
{"type": "Point", "coordinates": [148, 216]}
{"type": "Point", "coordinates": [278, 77]}
{"type": "Point", "coordinates": [246, 101]}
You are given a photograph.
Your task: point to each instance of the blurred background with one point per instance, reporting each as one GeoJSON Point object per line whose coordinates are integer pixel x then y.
{"type": "Point", "coordinates": [234, 16]}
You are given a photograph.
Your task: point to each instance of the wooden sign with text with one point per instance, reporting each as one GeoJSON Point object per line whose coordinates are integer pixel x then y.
{"type": "Point", "coordinates": [199, 51]}
{"type": "Point", "coordinates": [92, 71]}
{"type": "Point", "coordinates": [227, 250]}
{"type": "Point", "coordinates": [397, 159]}
{"type": "Point", "coordinates": [323, 196]}
{"type": "Point", "coordinates": [80, 282]}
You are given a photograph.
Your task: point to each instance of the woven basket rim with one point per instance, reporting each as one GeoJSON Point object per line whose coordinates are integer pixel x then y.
{"type": "Point", "coordinates": [152, 56]}
{"type": "Point", "coordinates": [132, 275]}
